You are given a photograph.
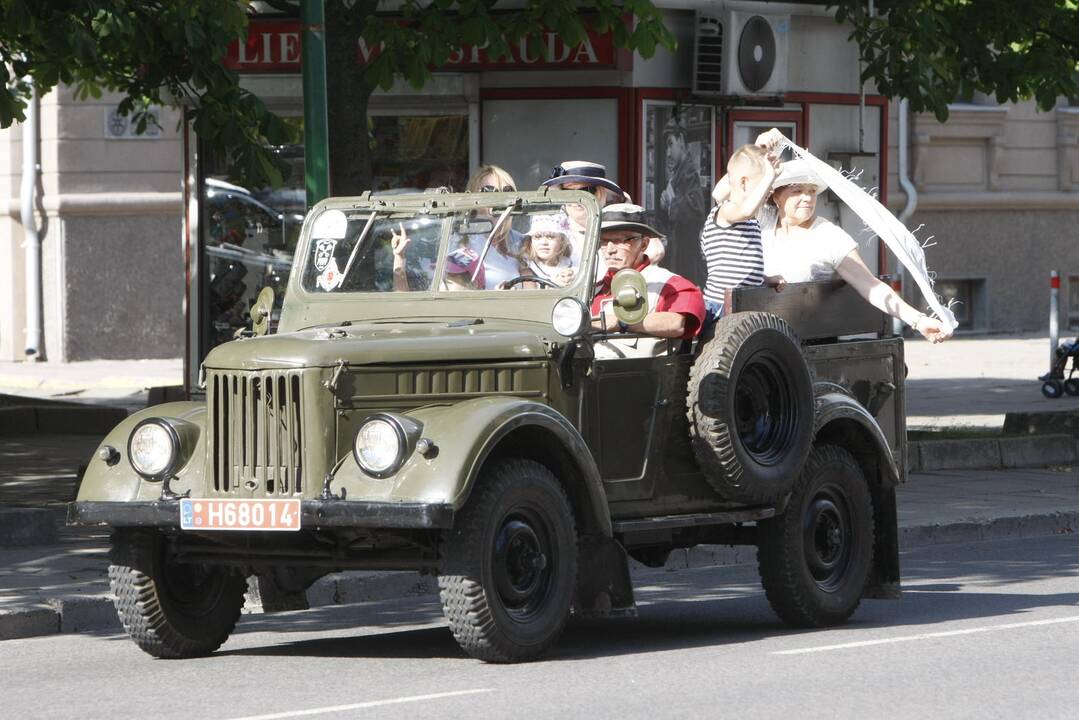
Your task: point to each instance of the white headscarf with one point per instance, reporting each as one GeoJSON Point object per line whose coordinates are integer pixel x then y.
{"type": "Point", "coordinates": [878, 219]}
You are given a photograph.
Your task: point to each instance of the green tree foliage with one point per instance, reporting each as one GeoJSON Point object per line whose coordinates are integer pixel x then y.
{"type": "Point", "coordinates": [171, 52]}
{"type": "Point", "coordinates": [933, 51]}
{"type": "Point", "coordinates": [153, 52]}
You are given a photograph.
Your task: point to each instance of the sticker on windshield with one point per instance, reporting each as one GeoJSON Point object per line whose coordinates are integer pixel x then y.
{"type": "Point", "coordinates": [330, 276]}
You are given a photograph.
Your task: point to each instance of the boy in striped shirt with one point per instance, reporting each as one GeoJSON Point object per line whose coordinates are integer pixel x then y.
{"type": "Point", "coordinates": [731, 237]}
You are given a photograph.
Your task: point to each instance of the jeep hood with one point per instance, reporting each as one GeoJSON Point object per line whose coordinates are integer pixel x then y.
{"type": "Point", "coordinates": [384, 342]}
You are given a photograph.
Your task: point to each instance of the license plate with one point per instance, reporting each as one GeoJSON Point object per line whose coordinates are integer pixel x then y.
{"type": "Point", "coordinates": [213, 514]}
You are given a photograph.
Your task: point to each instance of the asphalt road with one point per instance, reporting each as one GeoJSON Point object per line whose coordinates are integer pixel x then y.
{"type": "Point", "coordinates": [984, 630]}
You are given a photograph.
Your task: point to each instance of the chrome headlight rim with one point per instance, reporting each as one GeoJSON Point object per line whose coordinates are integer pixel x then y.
{"type": "Point", "coordinates": [585, 316]}
{"type": "Point", "coordinates": [174, 457]}
{"type": "Point", "coordinates": [403, 445]}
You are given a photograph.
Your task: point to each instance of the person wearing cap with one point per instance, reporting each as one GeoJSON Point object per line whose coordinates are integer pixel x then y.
{"type": "Point", "coordinates": [592, 177]}
{"type": "Point", "coordinates": [675, 305]}
{"type": "Point", "coordinates": [801, 247]}
{"type": "Point", "coordinates": [682, 203]}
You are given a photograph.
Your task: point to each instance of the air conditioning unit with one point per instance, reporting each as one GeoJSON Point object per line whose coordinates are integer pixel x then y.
{"type": "Point", "coordinates": [740, 53]}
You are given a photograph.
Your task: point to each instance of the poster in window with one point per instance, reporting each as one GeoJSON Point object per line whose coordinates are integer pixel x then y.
{"type": "Point", "coordinates": [678, 179]}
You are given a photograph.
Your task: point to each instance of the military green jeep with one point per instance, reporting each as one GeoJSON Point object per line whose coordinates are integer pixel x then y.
{"type": "Point", "coordinates": [402, 417]}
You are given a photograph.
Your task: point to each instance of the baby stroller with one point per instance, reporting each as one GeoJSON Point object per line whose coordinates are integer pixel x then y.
{"type": "Point", "coordinates": [1054, 383]}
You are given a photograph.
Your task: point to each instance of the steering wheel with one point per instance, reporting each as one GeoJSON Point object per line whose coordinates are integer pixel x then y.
{"type": "Point", "coordinates": [529, 278]}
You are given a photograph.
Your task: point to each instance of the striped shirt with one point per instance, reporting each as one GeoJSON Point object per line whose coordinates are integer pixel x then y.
{"type": "Point", "coordinates": [733, 254]}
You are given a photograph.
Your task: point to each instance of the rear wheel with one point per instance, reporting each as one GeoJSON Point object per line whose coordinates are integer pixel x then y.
{"type": "Point", "coordinates": [815, 558]}
{"type": "Point", "coordinates": [1071, 386]}
{"type": "Point", "coordinates": [1052, 389]}
{"type": "Point", "coordinates": [509, 567]}
{"type": "Point", "coordinates": [171, 610]}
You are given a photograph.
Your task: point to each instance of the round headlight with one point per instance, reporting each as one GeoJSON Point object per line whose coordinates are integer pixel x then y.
{"type": "Point", "coordinates": [570, 317]}
{"type": "Point", "coordinates": [153, 448]}
{"type": "Point", "coordinates": [379, 446]}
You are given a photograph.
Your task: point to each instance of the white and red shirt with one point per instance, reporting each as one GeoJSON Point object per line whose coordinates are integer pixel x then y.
{"type": "Point", "coordinates": [667, 292]}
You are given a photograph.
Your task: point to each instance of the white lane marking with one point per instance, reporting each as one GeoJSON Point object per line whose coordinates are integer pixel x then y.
{"type": "Point", "coordinates": [363, 705]}
{"type": "Point", "coordinates": [928, 636]}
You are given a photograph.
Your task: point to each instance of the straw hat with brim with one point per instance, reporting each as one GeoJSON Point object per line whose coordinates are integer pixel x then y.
{"type": "Point", "coordinates": [798, 172]}
{"type": "Point", "coordinates": [624, 216]}
{"type": "Point", "coordinates": [581, 171]}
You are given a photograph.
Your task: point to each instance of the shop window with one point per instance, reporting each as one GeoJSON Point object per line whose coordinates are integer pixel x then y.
{"type": "Point", "coordinates": [419, 151]}
{"type": "Point", "coordinates": [968, 300]}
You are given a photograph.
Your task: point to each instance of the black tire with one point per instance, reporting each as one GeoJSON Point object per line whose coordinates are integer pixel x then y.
{"type": "Point", "coordinates": [171, 610]}
{"type": "Point", "coordinates": [509, 566]}
{"type": "Point", "coordinates": [1071, 386]}
{"type": "Point", "coordinates": [750, 407]}
{"type": "Point", "coordinates": [1052, 389]}
{"type": "Point", "coordinates": [815, 558]}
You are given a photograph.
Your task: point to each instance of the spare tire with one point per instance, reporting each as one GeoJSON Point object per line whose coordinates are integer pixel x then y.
{"type": "Point", "coordinates": [750, 406]}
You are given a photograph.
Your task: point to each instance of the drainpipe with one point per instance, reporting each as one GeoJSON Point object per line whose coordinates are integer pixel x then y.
{"type": "Point", "coordinates": [31, 242]}
{"type": "Point", "coordinates": [907, 185]}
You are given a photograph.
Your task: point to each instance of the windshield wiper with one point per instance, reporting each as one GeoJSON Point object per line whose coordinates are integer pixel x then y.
{"type": "Point", "coordinates": [487, 242]}
{"type": "Point", "coordinates": [359, 241]}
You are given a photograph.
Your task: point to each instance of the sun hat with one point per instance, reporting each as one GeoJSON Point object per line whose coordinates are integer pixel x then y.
{"type": "Point", "coordinates": [798, 172]}
{"type": "Point", "coordinates": [582, 171]}
{"type": "Point", "coordinates": [555, 223]}
{"type": "Point", "coordinates": [624, 216]}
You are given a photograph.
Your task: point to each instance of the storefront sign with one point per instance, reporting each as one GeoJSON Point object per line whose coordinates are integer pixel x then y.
{"type": "Point", "coordinates": [274, 46]}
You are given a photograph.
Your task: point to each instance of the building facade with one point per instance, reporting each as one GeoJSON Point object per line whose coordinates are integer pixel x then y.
{"type": "Point", "coordinates": [148, 251]}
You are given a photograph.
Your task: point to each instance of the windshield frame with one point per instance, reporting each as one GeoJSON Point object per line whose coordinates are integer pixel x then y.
{"type": "Point", "coordinates": [445, 204]}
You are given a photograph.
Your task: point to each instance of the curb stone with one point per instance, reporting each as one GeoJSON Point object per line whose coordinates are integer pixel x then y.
{"type": "Point", "coordinates": [1029, 451]}
{"type": "Point", "coordinates": [96, 613]}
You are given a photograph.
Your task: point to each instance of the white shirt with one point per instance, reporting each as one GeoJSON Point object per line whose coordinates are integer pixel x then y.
{"type": "Point", "coordinates": [815, 255]}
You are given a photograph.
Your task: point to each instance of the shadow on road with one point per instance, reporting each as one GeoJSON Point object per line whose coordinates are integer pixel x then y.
{"type": "Point", "coordinates": [709, 607]}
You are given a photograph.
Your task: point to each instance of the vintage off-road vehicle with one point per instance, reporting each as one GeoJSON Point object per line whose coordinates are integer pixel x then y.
{"type": "Point", "coordinates": [492, 437]}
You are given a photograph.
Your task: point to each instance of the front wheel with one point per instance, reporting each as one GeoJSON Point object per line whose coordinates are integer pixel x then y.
{"type": "Point", "coordinates": [509, 567]}
{"type": "Point", "coordinates": [1052, 389]}
{"type": "Point", "coordinates": [171, 610]}
{"type": "Point", "coordinates": [815, 558]}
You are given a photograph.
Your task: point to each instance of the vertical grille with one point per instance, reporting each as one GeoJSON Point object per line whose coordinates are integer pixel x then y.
{"type": "Point", "coordinates": [708, 60]}
{"type": "Point", "coordinates": [257, 430]}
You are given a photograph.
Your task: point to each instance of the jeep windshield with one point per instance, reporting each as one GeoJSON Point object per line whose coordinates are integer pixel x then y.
{"type": "Point", "coordinates": [408, 248]}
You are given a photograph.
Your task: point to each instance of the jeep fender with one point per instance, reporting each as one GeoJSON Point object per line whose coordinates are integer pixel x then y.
{"type": "Point", "coordinates": [468, 434]}
{"type": "Point", "coordinates": [116, 481]}
{"type": "Point", "coordinates": [834, 406]}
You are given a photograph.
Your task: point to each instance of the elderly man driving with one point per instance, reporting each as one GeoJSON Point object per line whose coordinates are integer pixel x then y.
{"type": "Point", "coordinates": [675, 305]}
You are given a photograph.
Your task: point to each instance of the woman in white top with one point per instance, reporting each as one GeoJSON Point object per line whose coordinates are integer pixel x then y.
{"type": "Point", "coordinates": [800, 247]}
{"type": "Point", "coordinates": [502, 261]}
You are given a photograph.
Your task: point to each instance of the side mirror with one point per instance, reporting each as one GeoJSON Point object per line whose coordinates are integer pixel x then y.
{"type": "Point", "coordinates": [260, 311]}
{"type": "Point", "coordinates": [630, 296]}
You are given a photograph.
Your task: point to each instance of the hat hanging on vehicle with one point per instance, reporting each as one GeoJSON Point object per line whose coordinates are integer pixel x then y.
{"type": "Point", "coordinates": [798, 172]}
{"type": "Point", "coordinates": [624, 216]}
{"type": "Point", "coordinates": [582, 171]}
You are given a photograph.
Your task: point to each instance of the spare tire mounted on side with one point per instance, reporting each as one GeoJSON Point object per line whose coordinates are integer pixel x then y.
{"type": "Point", "coordinates": [750, 408]}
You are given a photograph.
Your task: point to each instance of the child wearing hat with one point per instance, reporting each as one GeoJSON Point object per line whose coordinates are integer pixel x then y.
{"type": "Point", "coordinates": [547, 249]}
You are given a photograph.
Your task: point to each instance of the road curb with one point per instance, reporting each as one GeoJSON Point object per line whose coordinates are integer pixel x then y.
{"type": "Point", "coordinates": [999, 453]}
{"type": "Point", "coordinates": [95, 613]}
{"type": "Point", "coordinates": [60, 419]}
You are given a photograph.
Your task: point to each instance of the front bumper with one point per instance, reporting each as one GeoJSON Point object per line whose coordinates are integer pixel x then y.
{"type": "Point", "coordinates": [315, 514]}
